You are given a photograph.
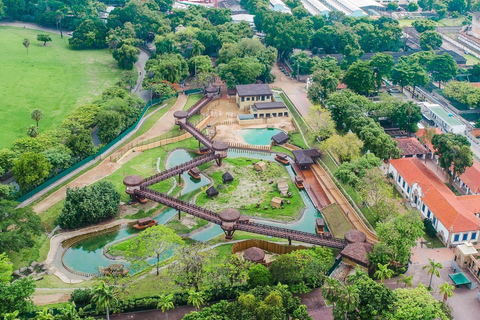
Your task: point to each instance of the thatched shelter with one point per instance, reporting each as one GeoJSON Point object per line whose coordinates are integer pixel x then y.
{"type": "Point", "coordinates": [276, 202]}
{"type": "Point", "coordinates": [355, 236]}
{"type": "Point", "coordinates": [133, 180]}
{"type": "Point", "coordinates": [260, 166]}
{"type": "Point", "coordinates": [280, 138]}
{"type": "Point", "coordinates": [212, 192]}
{"type": "Point", "coordinates": [254, 254]}
{"type": "Point", "coordinates": [357, 254]}
{"type": "Point", "coordinates": [227, 177]}
{"type": "Point", "coordinates": [282, 187]}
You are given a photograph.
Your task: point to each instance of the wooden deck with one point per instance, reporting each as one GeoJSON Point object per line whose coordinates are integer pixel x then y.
{"type": "Point", "coordinates": [313, 187]}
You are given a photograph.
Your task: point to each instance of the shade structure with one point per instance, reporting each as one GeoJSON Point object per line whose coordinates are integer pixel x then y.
{"type": "Point", "coordinates": [227, 177]}
{"type": "Point", "coordinates": [280, 138]}
{"type": "Point", "coordinates": [212, 192]}
{"type": "Point", "coordinates": [133, 180]}
{"type": "Point", "coordinates": [254, 254]}
{"type": "Point", "coordinates": [355, 236]}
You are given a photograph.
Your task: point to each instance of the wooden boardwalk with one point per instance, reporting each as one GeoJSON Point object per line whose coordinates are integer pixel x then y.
{"type": "Point", "coordinates": [313, 187]}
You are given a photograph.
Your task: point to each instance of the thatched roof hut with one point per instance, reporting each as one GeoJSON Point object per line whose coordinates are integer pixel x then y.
{"type": "Point", "coordinates": [355, 236]}
{"type": "Point", "coordinates": [276, 202]}
{"type": "Point", "coordinates": [357, 253]}
{"type": "Point", "coordinates": [254, 254]}
{"type": "Point", "coordinates": [229, 215]}
{"type": "Point", "coordinates": [260, 166]}
{"type": "Point", "coordinates": [227, 177]}
{"type": "Point", "coordinates": [133, 180]}
{"type": "Point", "coordinates": [282, 186]}
{"type": "Point", "coordinates": [212, 192]}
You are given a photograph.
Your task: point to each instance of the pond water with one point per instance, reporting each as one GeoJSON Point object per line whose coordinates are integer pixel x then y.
{"type": "Point", "coordinates": [258, 136]}
{"type": "Point", "coordinates": [87, 255]}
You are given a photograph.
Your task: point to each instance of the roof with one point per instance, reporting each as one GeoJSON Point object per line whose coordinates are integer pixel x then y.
{"type": "Point", "coordinates": [282, 184]}
{"type": "Point", "coordinates": [437, 196]}
{"type": "Point", "coordinates": [444, 115]}
{"type": "Point", "coordinates": [269, 105]}
{"type": "Point", "coordinates": [280, 137]}
{"type": "Point", "coordinates": [421, 132]}
{"type": "Point", "coordinates": [195, 170]}
{"type": "Point", "coordinates": [320, 222]}
{"type": "Point", "coordinates": [277, 200]}
{"type": "Point", "coordinates": [298, 178]}
{"type": "Point", "coordinates": [261, 164]}
{"type": "Point", "coordinates": [470, 202]}
{"type": "Point", "coordinates": [244, 90]}
{"type": "Point", "coordinates": [144, 220]}
{"type": "Point", "coordinates": [305, 157]}
{"type": "Point", "coordinates": [471, 177]}
{"type": "Point", "coordinates": [227, 176]}
{"type": "Point", "coordinates": [358, 252]}
{"type": "Point", "coordinates": [243, 17]}
{"type": "Point", "coordinates": [410, 146]}
{"type": "Point", "coordinates": [354, 236]}
{"type": "Point", "coordinates": [467, 248]}
{"type": "Point", "coordinates": [229, 215]}
{"type": "Point", "coordinates": [459, 278]}
{"type": "Point", "coordinates": [133, 180]}
{"type": "Point", "coordinates": [254, 254]}
{"type": "Point", "coordinates": [212, 191]}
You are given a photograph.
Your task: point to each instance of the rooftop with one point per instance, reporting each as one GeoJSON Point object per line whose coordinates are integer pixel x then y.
{"type": "Point", "coordinates": [245, 90]}
{"type": "Point", "coordinates": [269, 105]}
{"type": "Point", "coordinates": [305, 157]}
{"type": "Point", "coordinates": [358, 252]}
{"type": "Point", "coordinates": [471, 177]}
{"type": "Point", "coordinates": [444, 115]}
{"type": "Point", "coordinates": [422, 132]}
{"type": "Point", "coordinates": [446, 206]}
{"type": "Point", "coordinates": [280, 137]}
{"type": "Point", "coordinates": [410, 146]}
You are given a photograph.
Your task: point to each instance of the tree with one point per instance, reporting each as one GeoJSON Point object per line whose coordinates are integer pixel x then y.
{"type": "Point", "coordinates": [104, 297]}
{"type": "Point", "coordinates": [30, 169]}
{"type": "Point", "coordinates": [349, 299]}
{"type": "Point", "coordinates": [110, 125]}
{"type": "Point", "coordinates": [406, 280]}
{"type": "Point", "coordinates": [382, 66]}
{"type": "Point", "coordinates": [324, 82]}
{"type": "Point", "coordinates": [165, 303]}
{"type": "Point", "coordinates": [16, 296]}
{"type": "Point", "coordinates": [374, 189]}
{"type": "Point", "coordinates": [433, 269]}
{"type": "Point", "coordinates": [351, 172]}
{"type": "Point", "coordinates": [416, 303]}
{"type": "Point", "coordinates": [422, 25]}
{"type": "Point", "coordinates": [7, 158]}
{"type": "Point", "coordinates": [430, 40]}
{"type": "Point", "coordinates": [88, 205]}
{"type": "Point", "coordinates": [412, 6]}
{"type": "Point", "coordinates": [171, 67]}
{"type": "Point", "coordinates": [58, 19]}
{"type": "Point", "coordinates": [379, 143]}
{"type": "Point", "coordinates": [301, 313]}
{"type": "Point", "coordinates": [43, 37]}
{"type": "Point", "coordinates": [32, 131]}
{"type": "Point", "coordinates": [199, 64]}
{"type": "Point", "coordinates": [60, 157]}
{"type": "Point", "coordinates": [392, 6]}
{"type": "Point", "coordinates": [443, 68]}
{"type": "Point", "coordinates": [36, 115]}
{"type": "Point", "coordinates": [383, 272]}
{"type": "Point", "coordinates": [126, 56]}
{"type": "Point", "coordinates": [259, 275]}
{"type": "Point", "coordinates": [89, 34]}
{"type": "Point", "coordinates": [331, 289]}
{"type": "Point", "coordinates": [453, 150]}
{"type": "Point", "coordinates": [195, 298]}
{"type": "Point", "coordinates": [81, 143]}
{"type": "Point", "coordinates": [69, 312]}
{"type": "Point", "coordinates": [18, 227]}
{"type": "Point", "coordinates": [285, 269]}
{"type": "Point", "coordinates": [359, 78]}
{"type": "Point", "coordinates": [457, 5]}
{"type": "Point", "coordinates": [26, 43]}
{"type": "Point", "coordinates": [321, 122]}
{"type": "Point", "coordinates": [191, 266]}
{"type": "Point", "coordinates": [153, 242]}
{"type": "Point", "coordinates": [345, 148]}
{"type": "Point", "coordinates": [240, 71]}
{"type": "Point", "coordinates": [45, 314]}
{"type": "Point", "coordinates": [407, 115]}
{"type": "Point", "coordinates": [447, 291]}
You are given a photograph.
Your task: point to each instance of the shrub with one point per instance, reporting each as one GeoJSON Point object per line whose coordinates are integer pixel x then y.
{"type": "Point", "coordinates": [81, 297]}
{"type": "Point", "coordinates": [429, 228]}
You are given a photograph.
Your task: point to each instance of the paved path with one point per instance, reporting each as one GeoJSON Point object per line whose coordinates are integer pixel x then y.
{"type": "Point", "coordinates": [106, 167]}
{"type": "Point", "coordinates": [34, 26]}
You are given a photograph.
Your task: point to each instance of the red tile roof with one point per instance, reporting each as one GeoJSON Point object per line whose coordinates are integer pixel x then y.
{"type": "Point", "coordinates": [421, 132]}
{"type": "Point", "coordinates": [437, 196]}
{"type": "Point", "coordinates": [410, 146]}
{"type": "Point", "coordinates": [471, 177]}
{"type": "Point", "coordinates": [471, 202]}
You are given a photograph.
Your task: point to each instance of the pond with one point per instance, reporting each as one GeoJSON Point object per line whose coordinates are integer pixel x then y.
{"type": "Point", "coordinates": [87, 255]}
{"type": "Point", "coordinates": [258, 137]}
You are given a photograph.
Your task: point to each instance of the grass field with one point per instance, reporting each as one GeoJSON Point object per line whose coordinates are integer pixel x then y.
{"type": "Point", "coordinates": [336, 220]}
{"type": "Point", "coordinates": [52, 78]}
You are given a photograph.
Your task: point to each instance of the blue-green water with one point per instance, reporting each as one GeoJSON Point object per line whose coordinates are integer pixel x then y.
{"type": "Point", "coordinates": [258, 137]}
{"type": "Point", "coordinates": [87, 255]}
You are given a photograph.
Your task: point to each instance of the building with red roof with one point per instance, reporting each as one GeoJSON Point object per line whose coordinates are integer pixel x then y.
{"type": "Point", "coordinates": [456, 219]}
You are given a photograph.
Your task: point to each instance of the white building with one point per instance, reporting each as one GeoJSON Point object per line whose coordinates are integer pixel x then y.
{"type": "Point", "coordinates": [315, 7]}
{"type": "Point", "coordinates": [237, 18]}
{"type": "Point", "coordinates": [447, 122]}
{"type": "Point", "coordinates": [456, 219]}
{"type": "Point", "coordinates": [278, 5]}
{"type": "Point", "coordinates": [353, 8]}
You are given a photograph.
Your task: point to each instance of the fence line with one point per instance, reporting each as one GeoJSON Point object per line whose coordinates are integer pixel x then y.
{"type": "Point", "coordinates": [266, 245]}
{"type": "Point", "coordinates": [249, 146]}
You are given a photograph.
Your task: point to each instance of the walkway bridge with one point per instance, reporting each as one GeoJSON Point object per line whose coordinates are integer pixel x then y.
{"type": "Point", "coordinates": [229, 219]}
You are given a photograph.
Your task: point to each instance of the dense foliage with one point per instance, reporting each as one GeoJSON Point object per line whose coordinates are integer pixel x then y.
{"type": "Point", "coordinates": [88, 205]}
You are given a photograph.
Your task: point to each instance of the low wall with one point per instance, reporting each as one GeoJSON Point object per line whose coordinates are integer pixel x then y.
{"type": "Point", "coordinates": [265, 245]}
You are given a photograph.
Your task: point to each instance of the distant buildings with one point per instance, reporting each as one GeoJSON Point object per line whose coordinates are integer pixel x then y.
{"type": "Point", "coordinates": [447, 122]}
{"type": "Point", "coordinates": [278, 5]}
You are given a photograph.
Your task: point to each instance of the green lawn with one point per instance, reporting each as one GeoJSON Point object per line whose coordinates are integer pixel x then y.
{"type": "Point", "coordinates": [446, 22]}
{"type": "Point", "coordinates": [192, 99]}
{"type": "Point", "coordinates": [52, 78]}
{"type": "Point", "coordinates": [37, 252]}
{"type": "Point", "coordinates": [471, 60]}
{"type": "Point", "coordinates": [336, 220]}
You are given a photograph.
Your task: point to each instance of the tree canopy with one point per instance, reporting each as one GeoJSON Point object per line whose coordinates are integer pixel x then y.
{"type": "Point", "coordinates": [453, 151]}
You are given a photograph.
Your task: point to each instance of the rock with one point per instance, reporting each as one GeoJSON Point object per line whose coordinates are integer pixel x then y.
{"type": "Point", "coordinates": [33, 274]}
{"type": "Point", "coordinates": [283, 207]}
{"type": "Point", "coordinates": [38, 278]}
{"type": "Point", "coordinates": [270, 182]}
{"type": "Point", "coordinates": [16, 273]}
{"type": "Point", "coordinates": [249, 159]}
{"type": "Point", "coordinates": [34, 263]}
{"type": "Point", "coordinates": [258, 205]}
{"type": "Point", "coordinates": [41, 274]}
{"type": "Point", "coordinates": [30, 269]}
{"type": "Point", "coordinates": [266, 208]}
{"type": "Point", "coordinates": [288, 201]}
{"type": "Point", "coordinates": [23, 269]}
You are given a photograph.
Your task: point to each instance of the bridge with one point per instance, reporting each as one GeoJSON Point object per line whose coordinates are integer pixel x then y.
{"type": "Point", "coordinates": [228, 219]}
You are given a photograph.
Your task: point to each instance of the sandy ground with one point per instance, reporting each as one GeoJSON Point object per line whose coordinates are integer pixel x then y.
{"type": "Point", "coordinates": [44, 298]}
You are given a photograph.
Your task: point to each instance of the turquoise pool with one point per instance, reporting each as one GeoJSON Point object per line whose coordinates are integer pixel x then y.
{"type": "Point", "coordinates": [258, 137]}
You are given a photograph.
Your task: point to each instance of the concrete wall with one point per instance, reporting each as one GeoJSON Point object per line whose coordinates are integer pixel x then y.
{"type": "Point", "coordinates": [248, 101]}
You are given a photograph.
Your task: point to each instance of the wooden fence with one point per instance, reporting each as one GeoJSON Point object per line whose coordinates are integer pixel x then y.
{"type": "Point", "coordinates": [247, 146]}
{"type": "Point", "coordinates": [265, 245]}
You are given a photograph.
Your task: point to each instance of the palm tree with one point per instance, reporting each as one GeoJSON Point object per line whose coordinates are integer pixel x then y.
{"type": "Point", "coordinates": [59, 17]}
{"type": "Point", "coordinates": [383, 272]}
{"type": "Point", "coordinates": [11, 316]}
{"type": "Point", "coordinates": [45, 314]}
{"type": "Point", "coordinates": [331, 289]}
{"type": "Point", "coordinates": [104, 297]}
{"type": "Point", "coordinates": [36, 115]}
{"type": "Point", "coordinates": [26, 43]}
{"type": "Point", "coordinates": [359, 274]}
{"type": "Point", "coordinates": [433, 268]}
{"type": "Point", "coordinates": [447, 290]}
{"type": "Point", "coordinates": [349, 299]}
{"type": "Point", "coordinates": [69, 312]}
{"type": "Point", "coordinates": [165, 303]}
{"type": "Point", "coordinates": [195, 298]}
{"type": "Point", "coordinates": [406, 280]}
{"type": "Point", "coordinates": [197, 48]}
